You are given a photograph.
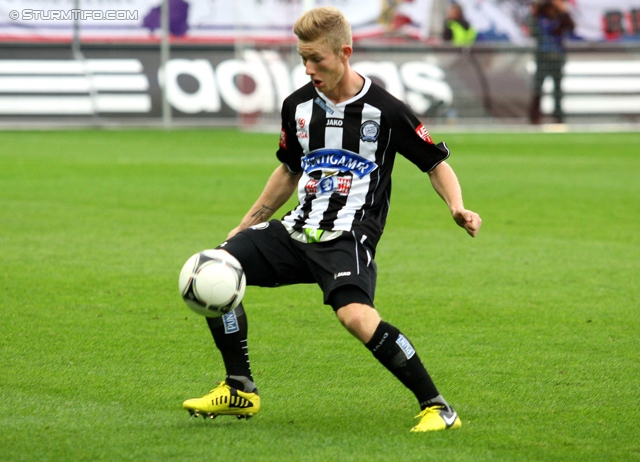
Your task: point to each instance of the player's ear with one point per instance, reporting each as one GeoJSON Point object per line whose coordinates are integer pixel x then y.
{"type": "Point", "coordinates": [345, 52]}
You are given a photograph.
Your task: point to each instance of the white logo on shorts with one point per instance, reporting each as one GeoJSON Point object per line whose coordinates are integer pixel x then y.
{"type": "Point", "coordinates": [342, 274]}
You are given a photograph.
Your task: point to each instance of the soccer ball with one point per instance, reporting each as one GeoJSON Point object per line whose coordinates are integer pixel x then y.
{"type": "Point", "coordinates": [212, 283]}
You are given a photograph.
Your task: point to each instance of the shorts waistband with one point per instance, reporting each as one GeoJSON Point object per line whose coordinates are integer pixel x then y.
{"type": "Point", "coordinates": [311, 235]}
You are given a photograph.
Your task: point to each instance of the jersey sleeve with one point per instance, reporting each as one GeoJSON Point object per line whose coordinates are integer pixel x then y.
{"type": "Point", "coordinates": [289, 152]}
{"type": "Point", "coordinates": [413, 141]}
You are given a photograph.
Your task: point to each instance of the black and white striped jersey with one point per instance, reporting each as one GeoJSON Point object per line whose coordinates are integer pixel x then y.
{"type": "Point", "coordinates": [345, 153]}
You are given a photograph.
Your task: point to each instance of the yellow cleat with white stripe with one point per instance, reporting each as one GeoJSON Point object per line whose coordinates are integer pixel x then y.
{"type": "Point", "coordinates": [436, 418]}
{"type": "Point", "coordinates": [224, 400]}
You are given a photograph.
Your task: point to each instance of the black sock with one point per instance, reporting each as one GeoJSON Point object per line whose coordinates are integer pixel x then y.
{"type": "Point", "coordinates": [397, 354]}
{"type": "Point", "coordinates": [230, 336]}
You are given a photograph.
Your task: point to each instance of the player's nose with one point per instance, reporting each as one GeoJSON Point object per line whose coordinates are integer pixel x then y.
{"type": "Point", "coordinates": [308, 67]}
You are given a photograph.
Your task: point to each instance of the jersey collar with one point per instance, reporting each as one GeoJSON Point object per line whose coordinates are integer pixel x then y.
{"type": "Point", "coordinates": [363, 91]}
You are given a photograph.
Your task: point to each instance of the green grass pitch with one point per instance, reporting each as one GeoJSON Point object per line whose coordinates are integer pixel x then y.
{"type": "Point", "coordinates": [530, 330]}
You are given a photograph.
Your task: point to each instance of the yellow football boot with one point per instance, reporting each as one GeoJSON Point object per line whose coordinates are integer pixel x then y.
{"type": "Point", "coordinates": [224, 400]}
{"type": "Point", "coordinates": [436, 418]}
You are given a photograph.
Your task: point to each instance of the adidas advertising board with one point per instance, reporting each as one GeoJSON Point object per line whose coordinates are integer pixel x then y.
{"type": "Point", "coordinates": [216, 84]}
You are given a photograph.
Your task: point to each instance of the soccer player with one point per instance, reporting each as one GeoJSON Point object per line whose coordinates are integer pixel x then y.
{"type": "Point", "coordinates": [340, 134]}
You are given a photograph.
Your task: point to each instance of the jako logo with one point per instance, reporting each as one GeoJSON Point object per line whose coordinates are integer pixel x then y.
{"type": "Point", "coordinates": [342, 274]}
{"type": "Point", "coordinates": [384, 337]}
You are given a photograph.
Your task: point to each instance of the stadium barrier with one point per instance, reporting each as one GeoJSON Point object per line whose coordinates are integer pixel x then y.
{"type": "Point", "coordinates": [222, 85]}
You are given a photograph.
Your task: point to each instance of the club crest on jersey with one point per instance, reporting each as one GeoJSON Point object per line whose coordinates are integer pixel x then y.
{"type": "Point", "coordinates": [369, 131]}
{"type": "Point", "coordinates": [328, 185]}
{"type": "Point", "coordinates": [337, 159]}
{"type": "Point", "coordinates": [320, 102]}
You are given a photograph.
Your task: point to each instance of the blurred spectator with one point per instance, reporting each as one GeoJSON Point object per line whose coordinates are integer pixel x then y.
{"type": "Point", "coordinates": [550, 24]}
{"type": "Point", "coordinates": [459, 32]}
{"type": "Point", "coordinates": [457, 29]}
{"type": "Point", "coordinates": [178, 14]}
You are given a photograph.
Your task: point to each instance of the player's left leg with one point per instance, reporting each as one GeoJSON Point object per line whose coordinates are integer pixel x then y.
{"type": "Point", "coordinates": [395, 352]}
{"type": "Point", "coordinates": [346, 272]}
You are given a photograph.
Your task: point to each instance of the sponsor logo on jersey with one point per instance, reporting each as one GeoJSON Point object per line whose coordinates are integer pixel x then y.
{"type": "Point", "coordinates": [422, 132]}
{"type": "Point", "coordinates": [334, 122]}
{"type": "Point", "coordinates": [405, 346]}
{"type": "Point", "coordinates": [320, 102]}
{"type": "Point", "coordinates": [302, 131]}
{"type": "Point", "coordinates": [329, 185]}
{"type": "Point", "coordinates": [230, 322]}
{"type": "Point", "coordinates": [337, 159]}
{"type": "Point", "coordinates": [369, 131]}
{"type": "Point", "coordinates": [283, 139]}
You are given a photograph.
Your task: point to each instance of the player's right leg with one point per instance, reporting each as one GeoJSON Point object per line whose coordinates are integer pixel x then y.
{"type": "Point", "coordinates": [268, 260]}
{"type": "Point", "coordinates": [237, 394]}
{"type": "Point", "coordinates": [224, 400]}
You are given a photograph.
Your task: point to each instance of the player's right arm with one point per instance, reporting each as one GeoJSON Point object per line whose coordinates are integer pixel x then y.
{"type": "Point", "coordinates": [283, 181]}
{"type": "Point", "coordinates": [281, 185]}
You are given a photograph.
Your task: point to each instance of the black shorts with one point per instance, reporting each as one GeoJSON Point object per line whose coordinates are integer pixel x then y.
{"type": "Point", "coordinates": [271, 258]}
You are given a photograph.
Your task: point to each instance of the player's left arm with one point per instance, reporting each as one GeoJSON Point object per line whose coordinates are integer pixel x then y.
{"type": "Point", "coordinates": [446, 184]}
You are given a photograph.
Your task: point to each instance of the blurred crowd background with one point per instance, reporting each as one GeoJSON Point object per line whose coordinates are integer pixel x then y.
{"type": "Point", "coordinates": [231, 62]}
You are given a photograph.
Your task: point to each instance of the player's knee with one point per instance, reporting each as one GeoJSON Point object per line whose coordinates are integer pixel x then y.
{"type": "Point", "coordinates": [359, 319]}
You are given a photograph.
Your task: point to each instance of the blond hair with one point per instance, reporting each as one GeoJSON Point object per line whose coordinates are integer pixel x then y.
{"type": "Point", "coordinates": [327, 23]}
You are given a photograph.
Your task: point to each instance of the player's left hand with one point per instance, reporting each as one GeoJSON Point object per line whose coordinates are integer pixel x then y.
{"type": "Point", "coordinates": [468, 220]}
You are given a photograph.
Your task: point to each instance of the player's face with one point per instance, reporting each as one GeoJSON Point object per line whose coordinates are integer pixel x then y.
{"type": "Point", "coordinates": [322, 65]}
